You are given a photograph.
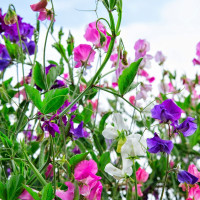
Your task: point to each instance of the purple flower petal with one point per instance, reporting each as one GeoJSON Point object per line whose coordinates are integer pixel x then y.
{"type": "Point", "coordinates": [186, 177]}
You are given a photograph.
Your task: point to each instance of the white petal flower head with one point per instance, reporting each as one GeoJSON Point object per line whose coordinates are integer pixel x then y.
{"type": "Point", "coordinates": [135, 145]}
{"type": "Point", "coordinates": [119, 125]}
{"type": "Point", "coordinates": [118, 173]}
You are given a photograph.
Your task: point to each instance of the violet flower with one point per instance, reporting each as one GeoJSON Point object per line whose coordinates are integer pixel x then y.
{"type": "Point", "coordinates": [166, 111]}
{"type": "Point", "coordinates": [186, 177]}
{"type": "Point", "coordinates": [5, 59]}
{"type": "Point", "coordinates": [156, 144]}
{"type": "Point", "coordinates": [79, 131]}
{"type": "Point", "coordinates": [188, 127]}
{"type": "Point", "coordinates": [51, 127]}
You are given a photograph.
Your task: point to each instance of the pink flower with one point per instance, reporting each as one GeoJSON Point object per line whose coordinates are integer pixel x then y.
{"type": "Point", "coordinates": [192, 169]}
{"type": "Point", "coordinates": [114, 84]}
{"type": "Point", "coordinates": [184, 186]}
{"type": "Point", "coordinates": [132, 100]}
{"type": "Point", "coordinates": [66, 195]}
{"type": "Point", "coordinates": [141, 48]}
{"type": "Point", "coordinates": [21, 92]}
{"type": "Point", "coordinates": [160, 58]}
{"type": "Point", "coordinates": [171, 164]}
{"type": "Point", "coordinates": [84, 173]}
{"type": "Point", "coordinates": [26, 196]}
{"type": "Point", "coordinates": [38, 6]}
{"type": "Point", "coordinates": [194, 193]}
{"type": "Point", "coordinates": [141, 175]}
{"type": "Point", "coordinates": [83, 55]}
{"type": "Point", "coordinates": [45, 14]}
{"type": "Point", "coordinates": [94, 104]}
{"type": "Point", "coordinates": [143, 91]}
{"type": "Point", "coordinates": [152, 79]}
{"type": "Point", "coordinates": [139, 191]}
{"type": "Point", "coordinates": [92, 35]}
{"type": "Point", "coordinates": [197, 61]}
{"type": "Point", "coordinates": [143, 73]}
{"type": "Point", "coordinates": [171, 87]}
{"type": "Point", "coordinates": [49, 171]}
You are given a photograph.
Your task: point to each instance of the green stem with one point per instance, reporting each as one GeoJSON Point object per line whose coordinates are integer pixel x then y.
{"type": "Point", "coordinates": [165, 180]}
{"type": "Point", "coordinates": [36, 172]}
{"type": "Point", "coordinates": [54, 165]}
{"type": "Point", "coordinates": [116, 94]}
{"type": "Point", "coordinates": [135, 181]}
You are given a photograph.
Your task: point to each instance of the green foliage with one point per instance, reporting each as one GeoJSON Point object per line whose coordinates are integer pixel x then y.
{"type": "Point", "coordinates": [32, 193]}
{"type": "Point", "coordinates": [47, 192]}
{"type": "Point", "coordinates": [127, 77]}
{"type": "Point", "coordinates": [104, 160]}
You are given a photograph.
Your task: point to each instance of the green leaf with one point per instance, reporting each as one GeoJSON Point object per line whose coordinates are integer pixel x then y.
{"type": "Point", "coordinates": [74, 160]}
{"type": "Point", "coordinates": [128, 76]}
{"type": "Point", "coordinates": [2, 191]}
{"type": "Point", "coordinates": [53, 73]}
{"type": "Point", "coordinates": [104, 160]}
{"type": "Point", "coordinates": [47, 192]}
{"type": "Point", "coordinates": [34, 95]}
{"type": "Point", "coordinates": [31, 192]}
{"type": "Point", "coordinates": [5, 140]}
{"type": "Point", "coordinates": [70, 44]}
{"type": "Point", "coordinates": [14, 186]}
{"type": "Point", "coordinates": [87, 113]}
{"type": "Point", "coordinates": [103, 121]}
{"type": "Point", "coordinates": [53, 100]}
{"type": "Point", "coordinates": [112, 4]}
{"type": "Point", "coordinates": [38, 75]}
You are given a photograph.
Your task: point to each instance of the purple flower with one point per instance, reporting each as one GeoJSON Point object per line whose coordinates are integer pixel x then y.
{"type": "Point", "coordinates": [156, 144]}
{"type": "Point", "coordinates": [58, 84]}
{"type": "Point", "coordinates": [166, 111]}
{"type": "Point", "coordinates": [51, 127]}
{"type": "Point", "coordinates": [79, 131]}
{"type": "Point", "coordinates": [48, 68]}
{"type": "Point", "coordinates": [186, 177]}
{"type": "Point", "coordinates": [29, 135]}
{"type": "Point", "coordinates": [31, 47]}
{"type": "Point", "coordinates": [67, 103]}
{"type": "Point", "coordinates": [188, 127]}
{"type": "Point", "coordinates": [5, 59]}
{"type": "Point", "coordinates": [76, 150]}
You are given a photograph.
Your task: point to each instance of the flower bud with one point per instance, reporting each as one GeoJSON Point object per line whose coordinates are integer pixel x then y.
{"type": "Point", "coordinates": [11, 16]}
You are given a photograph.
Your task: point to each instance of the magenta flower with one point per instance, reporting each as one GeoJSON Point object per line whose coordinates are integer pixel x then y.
{"type": "Point", "coordinates": [192, 169]}
{"type": "Point", "coordinates": [66, 195]}
{"type": "Point", "coordinates": [141, 175]}
{"type": "Point", "coordinates": [83, 55]}
{"type": "Point", "coordinates": [194, 193]}
{"type": "Point", "coordinates": [49, 171]}
{"type": "Point", "coordinates": [166, 111]}
{"type": "Point", "coordinates": [139, 191]}
{"type": "Point", "coordinates": [85, 173]}
{"type": "Point", "coordinates": [156, 145]}
{"type": "Point", "coordinates": [25, 195]}
{"type": "Point", "coordinates": [186, 177]}
{"type": "Point", "coordinates": [188, 127]}
{"type": "Point", "coordinates": [197, 61]}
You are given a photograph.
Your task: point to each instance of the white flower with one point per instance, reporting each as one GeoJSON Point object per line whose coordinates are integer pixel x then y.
{"type": "Point", "coordinates": [119, 125]}
{"type": "Point", "coordinates": [135, 145]}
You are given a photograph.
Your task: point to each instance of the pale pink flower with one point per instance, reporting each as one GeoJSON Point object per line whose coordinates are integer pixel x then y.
{"type": "Point", "coordinates": [197, 61]}
{"type": "Point", "coordinates": [160, 58]}
{"type": "Point", "coordinates": [95, 193]}
{"type": "Point", "coordinates": [184, 186]}
{"type": "Point", "coordinates": [45, 14]}
{"type": "Point", "coordinates": [82, 54]}
{"type": "Point", "coordinates": [49, 171]}
{"type": "Point", "coordinates": [192, 169]}
{"type": "Point", "coordinates": [143, 91]}
{"type": "Point", "coordinates": [141, 175]}
{"type": "Point", "coordinates": [21, 92]}
{"type": "Point", "coordinates": [82, 87]}
{"type": "Point", "coordinates": [194, 192]}
{"type": "Point", "coordinates": [66, 195]}
{"type": "Point", "coordinates": [94, 104]}
{"type": "Point", "coordinates": [141, 48]}
{"type": "Point", "coordinates": [139, 191]}
{"type": "Point", "coordinates": [38, 6]}
{"type": "Point", "coordinates": [171, 87]}
{"type": "Point", "coordinates": [142, 72]}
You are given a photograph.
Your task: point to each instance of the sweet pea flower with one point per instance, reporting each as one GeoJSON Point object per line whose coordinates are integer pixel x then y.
{"type": "Point", "coordinates": [132, 100]}
{"type": "Point", "coordinates": [66, 195]}
{"type": "Point", "coordinates": [5, 59]}
{"type": "Point", "coordinates": [141, 175]}
{"type": "Point", "coordinates": [85, 173]}
{"type": "Point", "coordinates": [49, 171]}
{"type": "Point", "coordinates": [194, 193]}
{"type": "Point", "coordinates": [160, 58]}
{"type": "Point", "coordinates": [51, 127]}
{"type": "Point", "coordinates": [38, 6]}
{"type": "Point", "coordinates": [25, 195]}
{"type": "Point", "coordinates": [156, 145]}
{"type": "Point", "coordinates": [166, 111]}
{"type": "Point", "coordinates": [111, 132]}
{"type": "Point", "coordinates": [141, 48]}
{"type": "Point", "coordinates": [120, 173]}
{"type": "Point", "coordinates": [186, 177]}
{"type": "Point", "coordinates": [83, 55]}
{"type": "Point", "coordinates": [197, 61]}
{"type": "Point", "coordinates": [188, 127]}
{"type": "Point", "coordinates": [139, 191]}
{"type": "Point", "coordinates": [192, 169]}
